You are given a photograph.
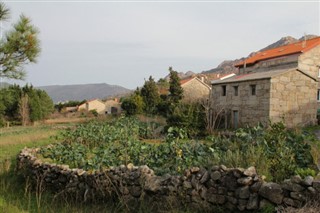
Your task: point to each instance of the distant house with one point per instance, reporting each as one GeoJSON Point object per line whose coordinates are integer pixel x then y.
{"type": "Point", "coordinates": [276, 84]}
{"type": "Point", "coordinates": [113, 107]}
{"type": "Point", "coordinates": [71, 109]}
{"type": "Point", "coordinates": [194, 89]}
{"type": "Point", "coordinates": [95, 104]}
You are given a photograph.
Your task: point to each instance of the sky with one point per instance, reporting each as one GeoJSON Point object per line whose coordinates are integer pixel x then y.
{"type": "Point", "coordinates": [123, 43]}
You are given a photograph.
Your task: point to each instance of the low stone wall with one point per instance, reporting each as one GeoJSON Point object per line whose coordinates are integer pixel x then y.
{"type": "Point", "coordinates": [232, 188]}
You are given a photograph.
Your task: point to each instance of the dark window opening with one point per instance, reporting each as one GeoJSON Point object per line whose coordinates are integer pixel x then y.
{"type": "Point", "coordinates": [224, 90]}
{"type": "Point", "coordinates": [235, 90]}
{"type": "Point", "coordinates": [235, 119]}
{"type": "Point", "coordinates": [253, 89]}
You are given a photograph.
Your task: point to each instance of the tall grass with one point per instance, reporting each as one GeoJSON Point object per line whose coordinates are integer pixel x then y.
{"type": "Point", "coordinates": [17, 194]}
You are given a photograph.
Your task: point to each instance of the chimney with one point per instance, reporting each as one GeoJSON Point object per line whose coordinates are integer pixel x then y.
{"type": "Point", "coordinates": [304, 43]}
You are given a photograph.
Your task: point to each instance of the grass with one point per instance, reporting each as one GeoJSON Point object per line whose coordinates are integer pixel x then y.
{"type": "Point", "coordinates": [16, 194]}
{"type": "Point", "coordinates": [13, 194]}
{"type": "Point", "coordinates": [13, 139]}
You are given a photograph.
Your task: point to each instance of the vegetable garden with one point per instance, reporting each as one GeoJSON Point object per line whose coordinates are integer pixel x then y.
{"type": "Point", "coordinates": [275, 151]}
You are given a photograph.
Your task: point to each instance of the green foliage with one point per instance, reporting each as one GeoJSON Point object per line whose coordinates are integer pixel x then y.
{"type": "Point", "coordinates": [94, 112]}
{"type": "Point", "coordinates": [40, 104]}
{"type": "Point", "coordinates": [150, 96]}
{"type": "Point", "coordinates": [19, 47]}
{"type": "Point", "coordinates": [285, 150]}
{"type": "Point", "coordinates": [189, 116]}
{"type": "Point", "coordinates": [303, 172]}
{"type": "Point", "coordinates": [175, 89]}
{"type": "Point", "coordinates": [268, 208]}
{"type": "Point", "coordinates": [133, 104]}
{"type": "Point", "coordinates": [99, 145]}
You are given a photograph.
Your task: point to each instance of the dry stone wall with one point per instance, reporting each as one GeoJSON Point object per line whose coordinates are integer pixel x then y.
{"type": "Point", "coordinates": [236, 189]}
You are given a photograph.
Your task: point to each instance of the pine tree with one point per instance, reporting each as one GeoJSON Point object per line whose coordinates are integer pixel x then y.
{"type": "Point", "coordinates": [150, 95]}
{"type": "Point", "coordinates": [19, 46]}
{"type": "Point", "coordinates": [175, 89]}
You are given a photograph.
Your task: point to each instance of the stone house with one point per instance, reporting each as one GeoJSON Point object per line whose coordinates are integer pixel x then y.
{"type": "Point", "coordinates": [281, 95]}
{"type": "Point", "coordinates": [304, 55]}
{"type": "Point", "coordinates": [95, 104]}
{"type": "Point", "coordinates": [194, 89]}
{"type": "Point", "coordinates": [272, 85]}
{"type": "Point", "coordinates": [113, 107]}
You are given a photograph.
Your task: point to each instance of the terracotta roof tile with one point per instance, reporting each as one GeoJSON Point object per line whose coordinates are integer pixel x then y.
{"type": "Point", "coordinates": [183, 81]}
{"type": "Point", "coordinates": [254, 76]}
{"type": "Point", "coordinates": [298, 47]}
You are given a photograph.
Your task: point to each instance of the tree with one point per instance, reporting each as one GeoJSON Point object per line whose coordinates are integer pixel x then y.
{"type": "Point", "coordinates": [24, 104]}
{"type": "Point", "coordinates": [175, 89]}
{"type": "Point", "coordinates": [150, 95]}
{"type": "Point", "coordinates": [24, 109]}
{"type": "Point", "coordinates": [133, 104]}
{"type": "Point", "coordinates": [19, 46]}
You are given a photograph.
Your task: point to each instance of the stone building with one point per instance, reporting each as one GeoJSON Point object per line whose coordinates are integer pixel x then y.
{"type": "Point", "coordinates": [304, 55]}
{"type": "Point", "coordinates": [279, 84]}
{"type": "Point", "coordinates": [113, 107]}
{"type": "Point", "coordinates": [194, 89]}
{"type": "Point", "coordinates": [95, 104]}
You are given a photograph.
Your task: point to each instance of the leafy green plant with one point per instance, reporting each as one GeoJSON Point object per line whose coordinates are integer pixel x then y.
{"type": "Point", "coordinates": [276, 151]}
{"type": "Point", "coordinates": [303, 172]}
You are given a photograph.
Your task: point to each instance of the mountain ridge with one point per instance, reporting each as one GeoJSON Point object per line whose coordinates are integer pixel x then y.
{"type": "Point", "coordinates": [79, 92]}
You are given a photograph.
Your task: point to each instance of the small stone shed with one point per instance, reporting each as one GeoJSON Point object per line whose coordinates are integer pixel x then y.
{"type": "Point", "coordinates": [194, 89]}
{"type": "Point", "coordinates": [286, 95]}
{"type": "Point", "coordinates": [95, 104]}
{"type": "Point", "coordinates": [113, 107]}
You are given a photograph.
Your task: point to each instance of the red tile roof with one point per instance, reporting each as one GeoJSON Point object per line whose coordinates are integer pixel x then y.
{"type": "Point", "coordinates": [183, 81]}
{"type": "Point", "coordinates": [299, 47]}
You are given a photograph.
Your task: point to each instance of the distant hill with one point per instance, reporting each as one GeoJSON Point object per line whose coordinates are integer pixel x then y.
{"type": "Point", "coordinates": [228, 66]}
{"type": "Point", "coordinates": [79, 92]}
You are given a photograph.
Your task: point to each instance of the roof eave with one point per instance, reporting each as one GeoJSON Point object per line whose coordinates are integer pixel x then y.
{"type": "Point", "coordinates": [240, 80]}
{"type": "Point", "coordinates": [251, 63]}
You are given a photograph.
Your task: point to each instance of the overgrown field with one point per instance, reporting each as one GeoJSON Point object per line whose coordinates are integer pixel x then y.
{"type": "Point", "coordinates": [15, 192]}
{"type": "Point", "coordinates": [275, 151]}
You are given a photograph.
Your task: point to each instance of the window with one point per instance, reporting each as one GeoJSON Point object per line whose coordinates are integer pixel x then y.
{"type": "Point", "coordinates": [319, 72]}
{"type": "Point", "coordinates": [235, 90]}
{"type": "Point", "coordinates": [224, 90]}
{"type": "Point", "coordinates": [318, 95]}
{"type": "Point", "coordinates": [253, 89]}
{"type": "Point", "coordinates": [235, 119]}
